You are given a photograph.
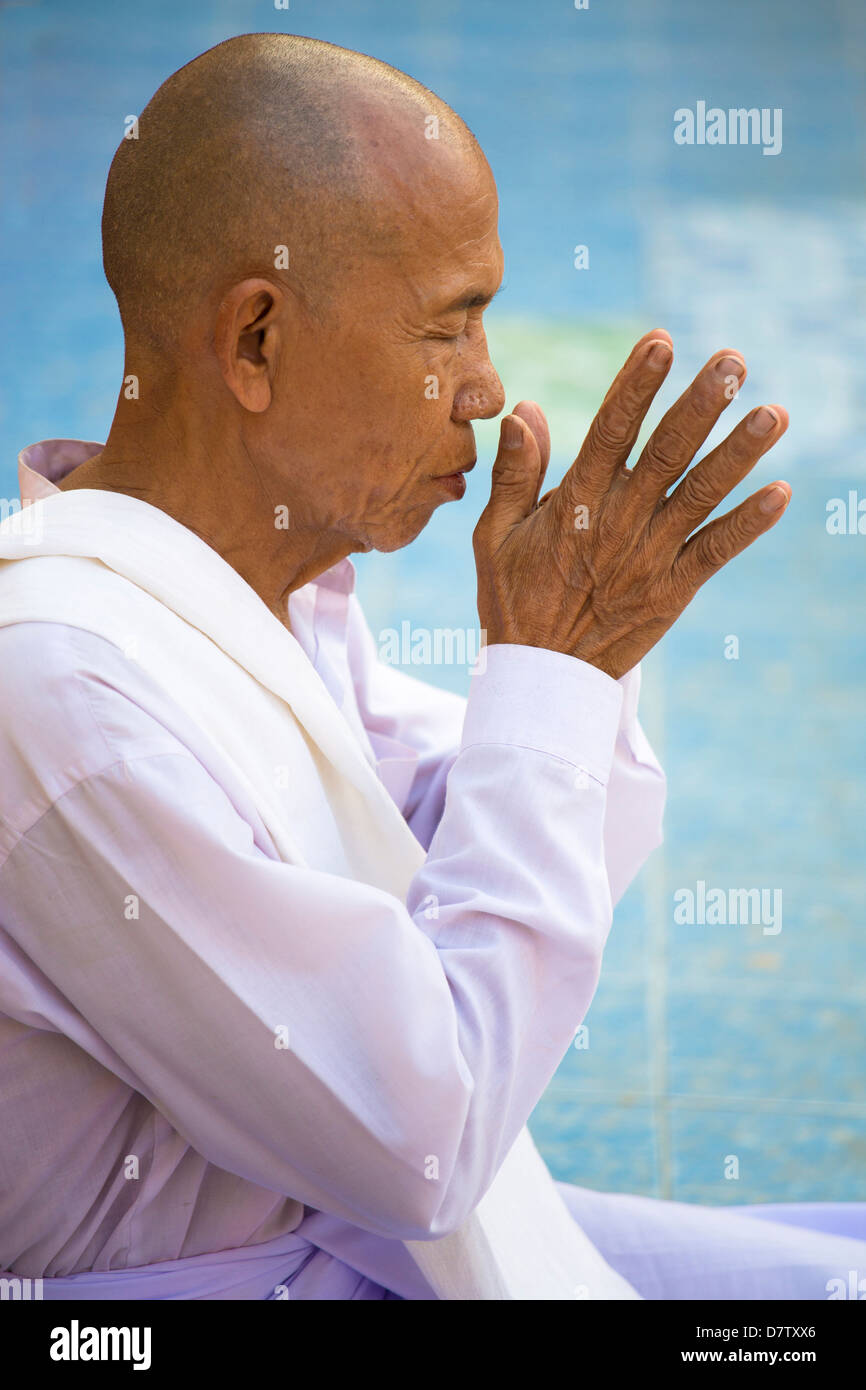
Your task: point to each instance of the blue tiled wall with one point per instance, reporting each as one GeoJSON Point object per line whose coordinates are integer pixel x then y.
{"type": "Point", "coordinates": [707, 1042]}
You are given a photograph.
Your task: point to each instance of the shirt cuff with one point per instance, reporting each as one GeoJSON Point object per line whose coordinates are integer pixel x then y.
{"type": "Point", "coordinates": [630, 683]}
{"type": "Point", "coordinates": [630, 730]}
{"type": "Point", "coordinates": [531, 697]}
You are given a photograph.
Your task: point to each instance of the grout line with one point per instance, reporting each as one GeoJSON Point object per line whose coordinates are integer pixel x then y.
{"type": "Point", "coordinates": [646, 156]}
{"type": "Point", "coordinates": [760, 988]}
{"type": "Point", "coordinates": [657, 975]}
{"type": "Point", "coordinates": [681, 1100]}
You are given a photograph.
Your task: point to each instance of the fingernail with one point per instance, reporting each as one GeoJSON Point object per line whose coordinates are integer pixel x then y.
{"type": "Point", "coordinates": [660, 355]}
{"type": "Point", "coordinates": [730, 366]}
{"type": "Point", "coordinates": [774, 500]}
{"type": "Point", "coordinates": [762, 421]}
{"type": "Point", "coordinates": [512, 433]}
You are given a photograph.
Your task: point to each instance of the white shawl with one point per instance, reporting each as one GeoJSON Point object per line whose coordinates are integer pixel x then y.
{"type": "Point", "coordinates": [126, 571]}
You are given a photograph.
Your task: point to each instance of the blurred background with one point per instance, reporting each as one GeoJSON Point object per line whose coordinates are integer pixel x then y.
{"type": "Point", "coordinates": [725, 1063]}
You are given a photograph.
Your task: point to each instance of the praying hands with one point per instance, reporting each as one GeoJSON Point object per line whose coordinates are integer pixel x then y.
{"type": "Point", "coordinates": [603, 565]}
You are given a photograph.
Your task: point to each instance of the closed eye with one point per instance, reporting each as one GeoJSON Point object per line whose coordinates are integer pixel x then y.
{"type": "Point", "coordinates": [476, 302]}
{"type": "Point", "coordinates": [450, 337]}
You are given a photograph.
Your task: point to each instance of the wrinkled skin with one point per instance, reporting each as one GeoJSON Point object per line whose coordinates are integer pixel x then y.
{"type": "Point", "coordinates": [331, 420]}
{"type": "Point", "coordinates": [605, 590]}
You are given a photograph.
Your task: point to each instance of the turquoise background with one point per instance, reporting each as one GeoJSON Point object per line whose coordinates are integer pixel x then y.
{"type": "Point", "coordinates": [705, 1041]}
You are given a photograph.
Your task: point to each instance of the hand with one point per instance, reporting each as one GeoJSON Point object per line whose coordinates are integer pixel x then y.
{"type": "Point", "coordinates": [604, 564]}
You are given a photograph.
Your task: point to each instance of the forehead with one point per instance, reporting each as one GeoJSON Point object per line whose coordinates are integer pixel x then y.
{"type": "Point", "coordinates": [448, 250]}
{"type": "Point", "coordinates": [437, 199]}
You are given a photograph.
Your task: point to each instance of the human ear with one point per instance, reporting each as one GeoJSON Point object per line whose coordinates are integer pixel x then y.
{"type": "Point", "coordinates": [247, 341]}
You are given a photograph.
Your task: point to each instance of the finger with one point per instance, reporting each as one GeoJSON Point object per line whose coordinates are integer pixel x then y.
{"type": "Point", "coordinates": [710, 481]}
{"type": "Point", "coordinates": [534, 416]}
{"type": "Point", "coordinates": [717, 543]}
{"type": "Point", "coordinates": [515, 478]}
{"type": "Point", "coordinates": [683, 429]}
{"type": "Point", "coordinates": [615, 428]}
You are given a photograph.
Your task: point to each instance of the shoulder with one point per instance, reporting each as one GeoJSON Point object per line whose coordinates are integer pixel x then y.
{"type": "Point", "coordinates": [72, 705]}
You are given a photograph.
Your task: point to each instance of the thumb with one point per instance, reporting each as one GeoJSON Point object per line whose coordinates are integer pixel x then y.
{"type": "Point", "coordinates": [516, 475]}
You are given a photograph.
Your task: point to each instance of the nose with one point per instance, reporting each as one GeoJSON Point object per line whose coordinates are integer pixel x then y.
{"type": "Point", "coordinates": [480, 395]}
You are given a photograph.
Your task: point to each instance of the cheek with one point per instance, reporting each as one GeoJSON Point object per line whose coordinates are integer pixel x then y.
{"type": "Point", "coordinates": [434, 403]}
{"type": "Point", "coordinates": [408, 385]}
{"type": "Point", "coordinates": [380, 423]}
{"type": "Point", "coordinates": [411, 429]}
{"type": "Point", "coordinates": [437, 374]}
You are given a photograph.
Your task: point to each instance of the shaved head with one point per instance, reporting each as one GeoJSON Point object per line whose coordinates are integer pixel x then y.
{"type": "Point", "coordinates": [302, 241]}
{"type": "Point", "coordinates": [265, 141]}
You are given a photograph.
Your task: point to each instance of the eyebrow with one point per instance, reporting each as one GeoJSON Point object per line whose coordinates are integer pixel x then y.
{"type": "Point", "coordinates": [473, 299]}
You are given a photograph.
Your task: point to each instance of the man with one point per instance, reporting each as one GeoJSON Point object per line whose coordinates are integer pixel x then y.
{"type": "Point", "coordinates": [293, 944]}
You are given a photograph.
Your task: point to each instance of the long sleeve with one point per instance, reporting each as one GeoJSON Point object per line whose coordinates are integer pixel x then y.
{"type": "Point", "coordinates": [636, 793]}
{"type": "Point", "coordinates": [405, 714]}
{"type": "Point", "coordinates": [401, 709]}
{"type": "Point", "coordinates": [370, 1058]}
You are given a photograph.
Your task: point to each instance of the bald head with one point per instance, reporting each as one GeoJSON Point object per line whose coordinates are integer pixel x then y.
{"type": "Point", "coordinates": [265, 141]}
{"type": "Point", "coordinates": [336, 390]}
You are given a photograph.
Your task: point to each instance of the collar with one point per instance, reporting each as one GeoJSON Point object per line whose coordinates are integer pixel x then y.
{"type": "Point", "coordinates": [41, 466]}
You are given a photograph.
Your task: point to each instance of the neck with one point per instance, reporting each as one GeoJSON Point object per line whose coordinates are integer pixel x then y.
{"type": "Point", "coordinates": [206, 480]}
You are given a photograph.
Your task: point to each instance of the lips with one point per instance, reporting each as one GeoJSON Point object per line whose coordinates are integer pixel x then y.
{"type": "Point", "coordinates": [455, 473]}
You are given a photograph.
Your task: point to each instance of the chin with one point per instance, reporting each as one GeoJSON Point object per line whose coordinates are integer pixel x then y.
{"type": "Point", "coordinates": [400, 534]}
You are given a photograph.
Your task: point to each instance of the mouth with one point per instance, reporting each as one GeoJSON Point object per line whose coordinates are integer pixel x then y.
{"type": "Point", "coordinates": [455, 483]}
{"type": "Point", "coordinates": [464, 468]}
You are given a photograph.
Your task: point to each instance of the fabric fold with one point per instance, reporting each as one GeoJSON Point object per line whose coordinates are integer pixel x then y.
{"type": "Point", "coordinates": [117, 567]}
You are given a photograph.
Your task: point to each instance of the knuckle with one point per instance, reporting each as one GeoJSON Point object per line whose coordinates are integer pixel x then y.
{"type": "Point", "coordinates": [668, 449]}
{"type": "Point", "coordinates": [715, 551]}
{"type": "Point", "coordinates": [611, 428]}
{"type": "Point", "coordinates": [699, 494]}
{"type": "Point", "coordinates": [631, 399]}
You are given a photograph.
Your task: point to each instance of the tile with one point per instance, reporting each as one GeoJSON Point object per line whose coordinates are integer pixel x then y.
{"type": "Point", "coordinates": [627, 951]}
{"type": "Point", "coordinates": [614, 1053]}
{"type": "Point", "coordinates": [610, 1147]}
{"type": "Point", "coordinates": [781, 1156]}
{"type": "Point", "coordinates": [765, 755]}
{"type": "Point", "coordinates": [820, 951]}
{"type": "Point", "coordinates": [722, 1044]}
